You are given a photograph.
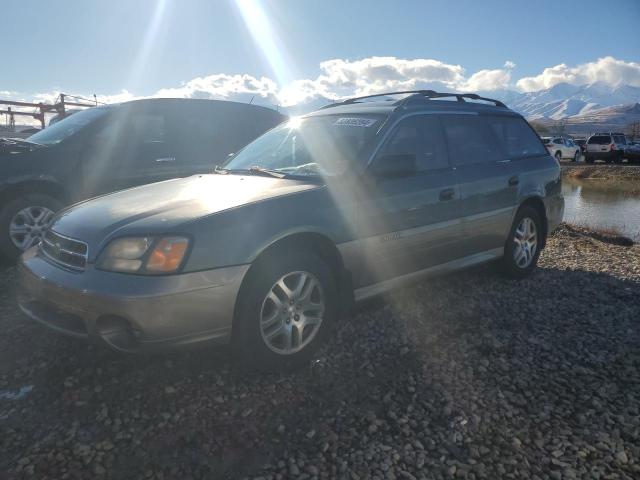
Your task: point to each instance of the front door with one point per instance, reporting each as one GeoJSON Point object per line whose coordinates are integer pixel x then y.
{"type": "Point", "coordinates": [409, 222]}
{"type": "Point", "coordinates": [133, 147]}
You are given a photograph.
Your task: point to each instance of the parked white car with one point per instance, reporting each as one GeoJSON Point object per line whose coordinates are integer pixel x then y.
{"type": "Point", "coordinates": [561, 147]}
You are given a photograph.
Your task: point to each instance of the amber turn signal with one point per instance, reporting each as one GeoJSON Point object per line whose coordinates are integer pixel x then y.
{"type": "Point", "coordinates": [167, 255]}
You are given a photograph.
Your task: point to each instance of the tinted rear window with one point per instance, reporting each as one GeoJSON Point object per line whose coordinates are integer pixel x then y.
{"type": "Point", "coordinates": [600, 140]}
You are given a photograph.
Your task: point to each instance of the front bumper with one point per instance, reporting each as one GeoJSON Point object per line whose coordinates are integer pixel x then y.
{"type": "Point", "coordinates": [130, 312]}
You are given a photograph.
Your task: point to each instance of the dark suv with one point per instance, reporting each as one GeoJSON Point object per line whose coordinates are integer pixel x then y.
{"type": "Point", "coordinates": [331, 208]}
{"type": "Point", "coordinates": [108, 148]}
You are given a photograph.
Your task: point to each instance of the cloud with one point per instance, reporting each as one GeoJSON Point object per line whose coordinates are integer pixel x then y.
{"type": "Point", "coordinates": [608, 70]}
{"type": "Point", "coordinates": [485, 80]}
{"type": "Point", "coordinates": [341, 78]}
{"type": "Point", "coordinates": [223, 87]}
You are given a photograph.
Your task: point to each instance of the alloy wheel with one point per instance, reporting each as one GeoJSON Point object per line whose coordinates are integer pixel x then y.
{"type": "Point", "coordinates": [526, 240]}
{"type": "Point", "coordinates": [292, 312]}
{"type": "Point", "coordinates": [28, 226]}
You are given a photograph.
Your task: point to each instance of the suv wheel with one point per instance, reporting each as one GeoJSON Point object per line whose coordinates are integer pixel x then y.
{"type": "Point", "coordinates": [285, 310]}
{"type": "Point", "coordinates": [23, 221]}
{"type": "Point", "coordinates": [558, 156]}
{"type": "Point", "coordinates": [588, 159]}
{"type": "Point", "coordinates": [523, 245]}
{"type": "Point", "coordinates": [576, 157]}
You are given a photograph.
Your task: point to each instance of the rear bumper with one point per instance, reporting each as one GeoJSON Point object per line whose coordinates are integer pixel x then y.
{"type": "Point", "coordinates": [604, 155]}
{"type": "Point", "coordinates": [130, 313]}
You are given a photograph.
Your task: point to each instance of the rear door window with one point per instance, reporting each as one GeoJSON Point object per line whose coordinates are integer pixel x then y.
{"type": "Point", "coordinates": [419, 135]}
{"type": "Point", "coordinates": [469, 140]}
{"type": "Point", "coordinates": [516, 137]}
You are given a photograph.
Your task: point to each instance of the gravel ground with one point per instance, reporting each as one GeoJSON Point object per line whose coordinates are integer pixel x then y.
{"type": "Point", "coordinates": [469, 376]}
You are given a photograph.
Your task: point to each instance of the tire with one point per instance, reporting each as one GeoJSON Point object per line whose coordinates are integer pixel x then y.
{"type": "Point", "coordinates": [257, 316]}
{"type": "Point", "coordinates": [512, 264]}
{"type": "Point", "coordinates": [558, 156]}
{"type": "Point", "coordinates": [576, 157]}
{"type": "Point", "coordinates": [588, 159]}
{"type": "Point", "coordinates": [10, 214]}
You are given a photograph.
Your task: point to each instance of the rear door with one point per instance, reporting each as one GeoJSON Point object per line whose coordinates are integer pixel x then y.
{"type": "Point", "coordinates": [411, 222]}
{"type": "Point", "coordinates": [488, 179]}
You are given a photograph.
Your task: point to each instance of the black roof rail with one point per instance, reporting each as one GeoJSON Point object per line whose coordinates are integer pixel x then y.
{"type": "Point", "coordinates": [460, 97]}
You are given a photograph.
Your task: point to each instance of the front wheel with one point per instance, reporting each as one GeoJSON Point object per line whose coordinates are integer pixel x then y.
{"type": "Point", "coordinates": [522, 249]}
{"type": "Point", "coordinates": [23, 221]}
{"type": "Point", "coordinates": [285, 310]}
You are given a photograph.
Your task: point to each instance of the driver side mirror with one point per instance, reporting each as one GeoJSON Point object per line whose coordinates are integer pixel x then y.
{"type": "Point", "coordinates": [394, 166]}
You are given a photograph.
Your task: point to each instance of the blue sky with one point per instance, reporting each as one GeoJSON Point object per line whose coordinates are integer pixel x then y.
{"type": "Point", "coordinates": [145, 46]}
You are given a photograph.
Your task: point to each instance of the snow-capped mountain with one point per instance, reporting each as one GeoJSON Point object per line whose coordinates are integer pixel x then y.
{"type": "Point", "coordinates": [564, 100]}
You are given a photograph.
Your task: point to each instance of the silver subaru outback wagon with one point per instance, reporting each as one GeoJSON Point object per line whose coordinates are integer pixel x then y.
{"type": "Point", "coordinates": [318, 213]}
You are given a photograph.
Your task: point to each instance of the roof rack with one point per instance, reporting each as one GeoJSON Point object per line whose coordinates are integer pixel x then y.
{"type": "Point", "coordinates": [429, 94]}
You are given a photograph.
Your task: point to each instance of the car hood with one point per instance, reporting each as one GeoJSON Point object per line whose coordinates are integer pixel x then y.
{"type": "Point", "coordinates": [161, 207]}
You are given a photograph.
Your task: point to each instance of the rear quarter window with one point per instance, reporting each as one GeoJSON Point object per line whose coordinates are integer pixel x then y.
{"type": "Point", "coordinates": [516, 137]}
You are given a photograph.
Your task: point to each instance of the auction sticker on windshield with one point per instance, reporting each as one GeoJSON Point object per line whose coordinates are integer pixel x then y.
{"type": "Point", "coordinates": [355, 122]}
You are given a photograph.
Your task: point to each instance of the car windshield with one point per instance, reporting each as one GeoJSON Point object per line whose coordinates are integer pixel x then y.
{"type": "Point", "coordinates": [313, 146]}
{"type": "Point", "coordinates": [63, 129]}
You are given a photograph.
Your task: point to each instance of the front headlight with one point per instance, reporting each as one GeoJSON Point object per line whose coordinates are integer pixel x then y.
{"type": "Point", "coordinates": [145, 255]}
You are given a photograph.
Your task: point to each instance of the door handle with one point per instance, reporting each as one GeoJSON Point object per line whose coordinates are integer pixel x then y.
{"type": "Point", "coordinates": [165, 159]}
{"type": "Point", "coordinates": [513, 181]}
{"type": "Point", "coordinates": [446, 194]}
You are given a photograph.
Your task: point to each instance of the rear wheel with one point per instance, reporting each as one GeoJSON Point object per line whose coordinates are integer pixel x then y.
{"type": "Point", "coordinates": [523, 246]}
{"type": "Point", "coordinates": [285, 310]}
{"type": "Point", "coordinates": [588, 159]}
{"type": "Point", "coordinates": [576, 157]}
{"type": "Point", "coordinates": [558, 156]}
{"type": "Point", "coordinates": [23, 222]}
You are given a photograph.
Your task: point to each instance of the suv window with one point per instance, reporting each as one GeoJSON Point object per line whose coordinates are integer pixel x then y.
{"type": "Point", "coordinates": [420, 135]}
{"type": "Point", "coordinates": [469, 140]}
{"type": "Point", "coordinates": [148, 127]}
{"type": "Point", "coordinates": [620, 139]}
{"type": "Point", "coordinates": [558, 140]}
{"type": "Point", "coordinates": [599, 140]}
{"type": "Point", "coordinates": [516, 136]}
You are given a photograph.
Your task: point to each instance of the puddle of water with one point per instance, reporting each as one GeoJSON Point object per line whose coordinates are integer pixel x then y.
{"type": "Point", "coordinates": [594, 203]}
{"type": "Point", "coordinates": [16, 394]}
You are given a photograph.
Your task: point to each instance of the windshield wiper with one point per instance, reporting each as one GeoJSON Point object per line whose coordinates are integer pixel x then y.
{"type": "Point", "coordinates": [252, 170]}
{"type": "Point", "coordinates": [268, 171]}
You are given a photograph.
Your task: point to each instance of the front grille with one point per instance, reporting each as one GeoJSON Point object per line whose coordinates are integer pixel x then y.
{"type": "Point", "coordinates": [64, 251]}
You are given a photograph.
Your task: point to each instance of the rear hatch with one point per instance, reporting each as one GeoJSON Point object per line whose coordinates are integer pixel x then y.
{"type": "Point", "coordinates": [599, 143]}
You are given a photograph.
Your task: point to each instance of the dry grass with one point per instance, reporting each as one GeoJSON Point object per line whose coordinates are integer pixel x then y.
{"type": "Point", "coordinates": [601, 172]}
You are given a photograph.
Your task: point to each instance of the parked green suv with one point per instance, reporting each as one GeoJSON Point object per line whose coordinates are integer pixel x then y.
{"type": "Point", "coordinates": [323, 211]}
